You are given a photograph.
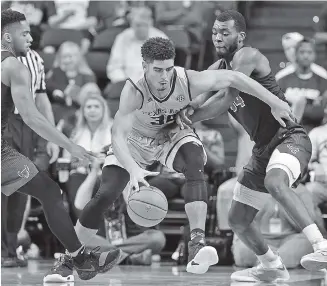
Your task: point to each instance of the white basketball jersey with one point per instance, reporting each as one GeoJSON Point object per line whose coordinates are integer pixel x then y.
{"type": "Point", "coordinates": [156, 113]}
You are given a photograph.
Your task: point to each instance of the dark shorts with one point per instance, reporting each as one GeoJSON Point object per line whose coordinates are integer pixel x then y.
{"type": "Point", "coordinates": [289, 148]}
{"type": "Point", "coordinates": [16, 169]}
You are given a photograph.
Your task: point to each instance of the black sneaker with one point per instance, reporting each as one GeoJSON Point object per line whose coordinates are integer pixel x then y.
{"type": "Point", "coordinates": [201, 257]}
{"type": "Point", "coordinates": [95, 262]}
{"type": "Point", "coordinates": [8, 262]}
{"type": "Point", "coordinates": [62, 270]}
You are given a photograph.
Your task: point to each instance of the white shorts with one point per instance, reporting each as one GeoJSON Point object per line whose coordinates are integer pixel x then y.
{"type": "Point", "coordinates": [146, 151]}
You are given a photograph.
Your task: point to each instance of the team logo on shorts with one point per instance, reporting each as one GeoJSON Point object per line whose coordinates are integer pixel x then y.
{"type": "Point", "coordinates": [293, 149]}
{"type": "Point", "coordinates": [180, 98]}
{"type": "Point", "coordinates": [25, 173]}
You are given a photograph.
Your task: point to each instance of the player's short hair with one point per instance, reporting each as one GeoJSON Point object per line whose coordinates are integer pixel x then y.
{"type": "Point", "coordinates": [305, 41]}
{"type": "Point", "coordinates": [9, 17]}
{"type": "Point", "coordinates": [238, 18]}
{"type": "Point", "coordinates": [159, 49]}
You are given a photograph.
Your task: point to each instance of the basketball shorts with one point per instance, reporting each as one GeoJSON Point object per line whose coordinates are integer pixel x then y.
{"type": "Point", "coordinates": [289, 150]}
{"type": "Point", "coordinates": [146, 151]}
{"type": "Point", "coordinates": [16, 169]}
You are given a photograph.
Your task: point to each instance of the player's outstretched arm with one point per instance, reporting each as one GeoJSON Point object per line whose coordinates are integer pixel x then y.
{"type": "Point", "coordinates": [204, 81]}
{"type": "Point", "coordinates": [130, 101]}
{"type": "Point", "coordinates": [20, 82]}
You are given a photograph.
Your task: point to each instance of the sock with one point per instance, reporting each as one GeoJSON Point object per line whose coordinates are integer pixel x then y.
{"type": "Point", "coordinates": [84, 234]}
{"type": "Point", "coordinates": [270, 259]}
{"type": "Point", "coordinates": [78, 255]}
{"type": "Point", "coordinates": [196, 233]}
{"type": "Point", "coordinates": [313, 234]}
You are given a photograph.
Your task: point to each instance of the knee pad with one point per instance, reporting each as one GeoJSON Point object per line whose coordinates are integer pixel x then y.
{"type": "Point", "coordinates": [192, 166]}
{"type": "Point", "coordinates": [193, 170]}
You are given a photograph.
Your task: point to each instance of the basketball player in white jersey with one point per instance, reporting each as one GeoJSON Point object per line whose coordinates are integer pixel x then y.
{"type": "Point", "coordinates": [147, 105]}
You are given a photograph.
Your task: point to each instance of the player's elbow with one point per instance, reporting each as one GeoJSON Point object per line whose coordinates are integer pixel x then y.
{"type": "Point", "coordinates": [235, 78]}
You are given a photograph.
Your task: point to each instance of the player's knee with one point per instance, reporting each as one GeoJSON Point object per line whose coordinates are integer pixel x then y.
{"type": "Point", "coordinates": [157, 241]}
{"type": "Point", "coordinates": [238, 223]}
{"type": "Point", "coordinates": [193, 167]}
{"type": "Point", "coordinates": [113, 182]}
{"type": "Point", "coordinates": [276, 181]}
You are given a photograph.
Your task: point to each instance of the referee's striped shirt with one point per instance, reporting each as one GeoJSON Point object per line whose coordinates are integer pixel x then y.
{"type": "Point", "coordinates": [35, 64]}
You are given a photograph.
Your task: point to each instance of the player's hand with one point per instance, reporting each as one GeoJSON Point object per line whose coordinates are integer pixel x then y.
{"type": "Point", "coordinates": [182, 118]}
{"type": "Point", "coordinates": [79, 152]}
{"type": "Point", "coordinates": [97, 163]}
{"type": "Point", "coordinates": [53, 151]}
{"type": "Point", "coordinates": [138, 176]}
{"type": "Point", "coordinates": [282, 111]}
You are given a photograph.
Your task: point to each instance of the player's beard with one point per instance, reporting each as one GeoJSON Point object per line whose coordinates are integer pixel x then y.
{"type": "Point", "coordinates": [228, 51]}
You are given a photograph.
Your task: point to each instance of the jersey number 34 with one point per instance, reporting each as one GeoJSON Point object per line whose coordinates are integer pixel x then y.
{"type": "Point", "coordinates": [237, 102]}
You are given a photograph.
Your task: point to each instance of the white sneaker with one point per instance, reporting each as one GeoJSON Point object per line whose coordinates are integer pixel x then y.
{"type": "Point", "coordinates": [201, 257]}
{"type": "Point", "coordinates": [315, 261]}
{"type": "Point", "coordinates": [259, 273]}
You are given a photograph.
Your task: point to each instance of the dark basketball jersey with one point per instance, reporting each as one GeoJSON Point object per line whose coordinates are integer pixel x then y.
{"type": "Point", "coordinates": [255, 115]}
{"type": "Point", "coordinates": [7, 104]}
{"type": "Point", "coordinates": [310, 86]}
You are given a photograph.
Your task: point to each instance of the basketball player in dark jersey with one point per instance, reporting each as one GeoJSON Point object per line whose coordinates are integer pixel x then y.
{"type": "Point", "coordinates": [18, 173]}
{"type": "Point", "coordinates": [279, 158]}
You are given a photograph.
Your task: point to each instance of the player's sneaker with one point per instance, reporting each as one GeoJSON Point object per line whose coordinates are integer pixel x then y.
{"type": "Point", "coordinates": [201, 257]}
{"type": "Point", "coordinates": [62, 270]}
{"type": "Point", "coordinates": [259, 273]}
{"type": "Point", "coordinates": [95, 262]}
{"type": "Point", "coordinates": [315, 261]}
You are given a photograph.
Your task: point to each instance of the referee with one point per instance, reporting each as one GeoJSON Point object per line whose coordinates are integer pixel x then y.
{"type": "Point", "coordinates": [27, 142]}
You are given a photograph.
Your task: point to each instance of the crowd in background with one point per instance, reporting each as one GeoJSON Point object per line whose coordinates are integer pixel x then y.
{"type": "Point", "coordinates": [77, 84]}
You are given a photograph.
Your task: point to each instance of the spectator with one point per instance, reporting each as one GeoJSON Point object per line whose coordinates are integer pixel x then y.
{"type": "Point", "coordinates": [93, 132]}
{"type": "Point", "coordinates": [305, 89]}
{"type": "Point", "coordinates": [36, 13]}
{"type": "Point", "coordinates": [318, 165]}
{"type": "Point", "coordinates": [125, 59]}
{"type": "Point", "coordinates": [72, 15]}
{"type": "Point", "coordinates": [281, 233]}
{"type": "Point", "coordinates": [69, 73]}
{"type": "Point", "coordinates": [289, 42]}
{"type": "Point", "coordinates": [186, 14]}
{"type": "Point", "coordinates": [109, 13]}
{"type": "Point", "coordinates": [26, 141]}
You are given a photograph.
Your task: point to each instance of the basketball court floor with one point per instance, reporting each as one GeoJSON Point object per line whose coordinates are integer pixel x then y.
{"type": "Point", "coordinates": [160, 274]}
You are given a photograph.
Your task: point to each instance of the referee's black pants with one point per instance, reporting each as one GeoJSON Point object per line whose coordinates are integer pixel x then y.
{"type": "Point", "coordinates": [25, 140]}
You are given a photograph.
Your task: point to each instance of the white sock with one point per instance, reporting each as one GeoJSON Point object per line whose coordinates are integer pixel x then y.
{"type": "Point", "coordinates": [270, 259]}
{"type": "Point", "coordinates": [75, 253]}
{"type": "Point", "coordinates": [313, 234]}
{"type": "Point", "coordinates": [84, 234]}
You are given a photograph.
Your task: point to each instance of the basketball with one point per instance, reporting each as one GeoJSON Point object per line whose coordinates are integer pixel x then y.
{"type": "Point", "coordinates": [148, 207]}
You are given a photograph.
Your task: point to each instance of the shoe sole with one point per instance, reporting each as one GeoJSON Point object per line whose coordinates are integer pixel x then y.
{"type": "Point", "coordinates": [83, 275]}
{"type": "Point", "coordinates": [237, 278]}
{"type": "Point", "coordinates": [312, 264]}
{"type": "Point", "coordinates": [56, 278]}
{"type": "Point", "coordinates": [206, 257]}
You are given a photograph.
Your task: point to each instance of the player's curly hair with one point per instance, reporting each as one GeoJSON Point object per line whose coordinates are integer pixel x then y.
{"type": "Point", "coordinates": [238, 18]}
{"type": "Point", "coordinates": [159, 49]}
{"type": "Point", "coordinates": [9, 17]}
